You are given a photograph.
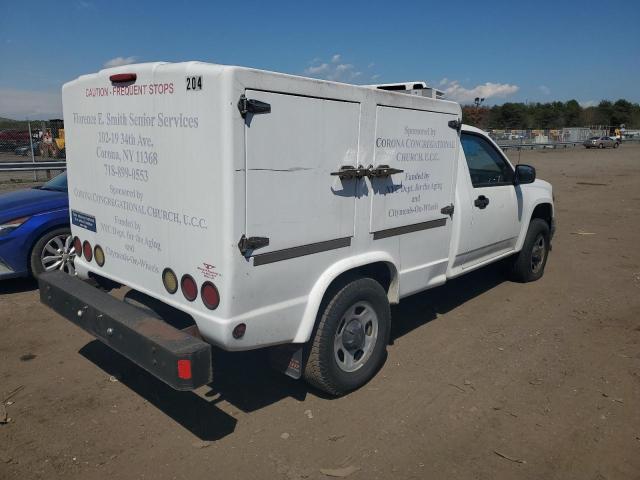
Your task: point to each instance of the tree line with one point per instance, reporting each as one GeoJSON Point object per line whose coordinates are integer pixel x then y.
{"type": "Point", "coordinates": [552, 115]}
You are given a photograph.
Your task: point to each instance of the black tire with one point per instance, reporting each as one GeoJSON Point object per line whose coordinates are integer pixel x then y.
{"type": "Point", "coordinates": [35, 257]}
{"type": "Point", "coordinates": [322, 369]}
{"type": "Point", "coordinates": [528, 265]}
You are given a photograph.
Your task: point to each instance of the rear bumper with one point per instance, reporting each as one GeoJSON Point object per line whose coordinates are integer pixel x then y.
{"type": "Point", "coordinates": [175, 357]}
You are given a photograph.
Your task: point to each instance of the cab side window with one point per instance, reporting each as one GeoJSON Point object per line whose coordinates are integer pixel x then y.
{"type": "Point", "coordinates": [486, 166]}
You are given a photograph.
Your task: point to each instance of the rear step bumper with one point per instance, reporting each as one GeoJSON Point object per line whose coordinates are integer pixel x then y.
{"type": "Point", "coordinates": [175, 357]}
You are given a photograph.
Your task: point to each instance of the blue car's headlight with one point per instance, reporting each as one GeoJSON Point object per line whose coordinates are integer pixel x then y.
{"type": "Point", "coordinates": [10, 226]}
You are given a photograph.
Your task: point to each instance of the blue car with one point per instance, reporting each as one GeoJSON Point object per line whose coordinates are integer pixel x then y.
{"type": "Point", "coordinates": [34, 230]}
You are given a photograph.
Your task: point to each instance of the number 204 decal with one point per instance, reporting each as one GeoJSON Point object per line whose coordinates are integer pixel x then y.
{"type": "Point", "coordinates": [194, 83]}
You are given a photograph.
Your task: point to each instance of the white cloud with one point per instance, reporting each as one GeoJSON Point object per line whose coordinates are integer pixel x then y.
{"type": "Point", "coordinates": [118, 61]}
{"type": "Point", "coordinates": [454, 91]}
{"type": "Point", "coordinates": [23, 104]}
{"type": "Point", "coordinates": [544, 89]}
{"type": "Point", "coordinates": [335, 70]}
{"type": "Point", "coordinates": [588, 103]}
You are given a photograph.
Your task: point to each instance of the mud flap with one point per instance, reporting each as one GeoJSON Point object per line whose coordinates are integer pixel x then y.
{"type": "Point", "coordinates": [287, 359]}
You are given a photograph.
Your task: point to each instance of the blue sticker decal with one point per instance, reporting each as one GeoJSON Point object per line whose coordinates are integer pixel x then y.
{"type": "Point", "coordinates": [83, 220]}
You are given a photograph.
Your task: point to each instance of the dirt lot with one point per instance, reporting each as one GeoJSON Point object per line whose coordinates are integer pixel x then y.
{"type": "Point", "coordinates": [486, 379]}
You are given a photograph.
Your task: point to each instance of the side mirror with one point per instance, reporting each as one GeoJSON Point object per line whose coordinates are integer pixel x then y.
{"type": "Point", "coordinates": [524, 174]}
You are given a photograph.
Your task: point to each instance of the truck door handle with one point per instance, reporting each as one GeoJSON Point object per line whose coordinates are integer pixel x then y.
{"type": "Point", "coordinates": [382, 171]}
{"type": "Point", "coordinates": [481, 202]}
{"type": "Point", "coordinates": [349, 171]}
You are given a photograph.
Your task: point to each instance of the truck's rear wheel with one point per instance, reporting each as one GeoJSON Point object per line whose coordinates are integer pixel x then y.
{"type": "Point", "coordinates": [529, 264]}
{"type": "Point", "coordinates": [350, 341]}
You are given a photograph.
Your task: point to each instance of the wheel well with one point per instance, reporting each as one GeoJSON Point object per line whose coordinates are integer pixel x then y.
{"type": "Point", "coordinates": [544, 212]}
{"type": "Point", "coordinates": [382, 272]}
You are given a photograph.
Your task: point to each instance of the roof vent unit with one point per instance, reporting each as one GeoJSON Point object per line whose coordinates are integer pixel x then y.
{"type": "Point", "coordinates": [412, 88]}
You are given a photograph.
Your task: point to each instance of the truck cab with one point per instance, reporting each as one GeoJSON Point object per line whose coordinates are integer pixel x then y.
{"type": "Point", "coordinates": [273, 211]}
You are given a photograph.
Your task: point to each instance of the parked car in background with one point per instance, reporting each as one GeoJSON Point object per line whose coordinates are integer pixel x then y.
{"type": "Point", "coordinates": [601, 142]}
{"type": "Point", "coordinates": [34, 230]}
{"type": "Point", "coordinates": [24, 150]}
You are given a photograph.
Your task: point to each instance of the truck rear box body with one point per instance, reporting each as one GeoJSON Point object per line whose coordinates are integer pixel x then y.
{"type": "Point", "coordinates": [174, 171]}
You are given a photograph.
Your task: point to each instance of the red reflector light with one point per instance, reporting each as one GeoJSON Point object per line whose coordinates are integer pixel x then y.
{"type": "Point", "coordinates": [210, 295]}
{"type": "Point", "coordinates": [77, 246]}
{"type": "Point", "coordinates": [123, 78]}
{"type": "Point", "coordinates": [184, 369]}
{"type": "Point", "coordinates": [87, 251]}
{"type": "Point", "coordinates": [189, 287]}
{"type": "Point", "coordinates": [239, 331]}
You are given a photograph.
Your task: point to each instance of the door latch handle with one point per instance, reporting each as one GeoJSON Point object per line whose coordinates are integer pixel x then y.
{"type": "Point", "coordinates": [382, 171]}
{"type": "Point", "coordinates": [481, 202]}
{"type": "Point", "coordinates": [349, 171]}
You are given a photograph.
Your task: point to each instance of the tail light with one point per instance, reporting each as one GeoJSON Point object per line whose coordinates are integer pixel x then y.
{"type": "Point", "coordinates": [86, 251]}
{"type": "Point", "coordinates": [210, 295]}
{"type": "Point", "coordinates": [77, 246]}
{"type": "Point", "coordinates": [169, 280]}
{"type": "Point", "coordinates": [189, 287]}
{"type": "Point", "coordinates": [184, 369]}
{"type": "Point", "coordinates": [239, 331]}
{"type": "Point", "coordinates": [98, 253]}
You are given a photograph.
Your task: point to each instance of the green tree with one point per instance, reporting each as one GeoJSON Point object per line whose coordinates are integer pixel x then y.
{"type": "Point", "coordinates": [622, 112]}
{"type": "Point", "coordinates": [572, 114]}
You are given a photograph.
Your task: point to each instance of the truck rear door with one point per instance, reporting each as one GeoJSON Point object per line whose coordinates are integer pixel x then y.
{"type": "Point", "coordinates": [292, 199]}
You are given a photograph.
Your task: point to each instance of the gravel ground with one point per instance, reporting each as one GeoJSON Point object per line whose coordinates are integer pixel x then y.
{"type": "Point", "coordinates": [486, 379]}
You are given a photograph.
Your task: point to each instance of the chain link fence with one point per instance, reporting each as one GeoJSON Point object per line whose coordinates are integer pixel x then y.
{"type": "Point", "coordinates": [31, 151]}
{"type": "Point", "coordinates": [553, 138]}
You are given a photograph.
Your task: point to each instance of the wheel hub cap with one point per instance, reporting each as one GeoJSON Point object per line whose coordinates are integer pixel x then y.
{"type": "Point", "coordinates": [353, 336]}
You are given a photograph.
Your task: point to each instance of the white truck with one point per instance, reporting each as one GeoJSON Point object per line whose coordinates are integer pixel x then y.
{"type": "Point", "coordinates": [249, 209]}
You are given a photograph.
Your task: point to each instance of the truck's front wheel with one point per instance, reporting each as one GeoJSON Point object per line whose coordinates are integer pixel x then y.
{"type": "Point", "coordinates": [350, 341]}
{"type": "Point", "coordinates": [529, 264]}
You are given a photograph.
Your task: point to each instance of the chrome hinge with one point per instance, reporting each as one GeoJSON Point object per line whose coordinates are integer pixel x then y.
{"type": "Point", "coordinates": [348, 171]}
{"type": "Point", "coordinates": [382, 171]}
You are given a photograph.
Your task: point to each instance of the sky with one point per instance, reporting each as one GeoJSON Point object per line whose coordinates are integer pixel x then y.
{"type": "Point", "coordinates": [503, 51]}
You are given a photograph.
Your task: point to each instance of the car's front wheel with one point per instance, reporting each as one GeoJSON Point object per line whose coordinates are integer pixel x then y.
{"type": "Point", "coordinates": [528, 265]}
{"type": "Point", "coordinates": [53, 251]}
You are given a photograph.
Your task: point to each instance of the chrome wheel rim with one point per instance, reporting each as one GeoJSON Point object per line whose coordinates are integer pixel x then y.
{"type": "Point", "coordinates": [355, 337]}
{"type": "Point", "coordinates": [59, 254]}
{"type": "Point", "coordinates": [538, 253]}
